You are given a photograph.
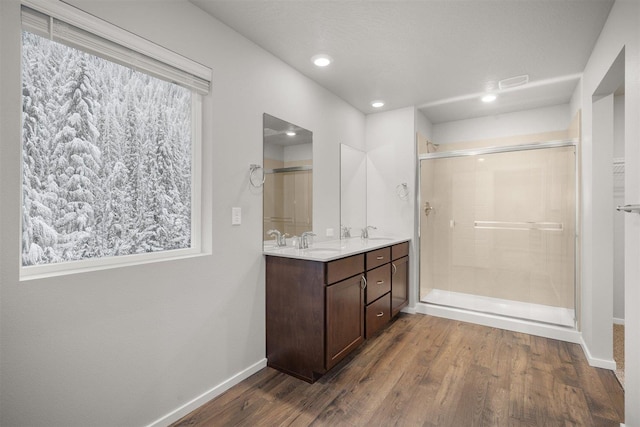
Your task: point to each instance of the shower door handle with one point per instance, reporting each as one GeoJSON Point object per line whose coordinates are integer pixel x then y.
{"type": "Point", "coordinates": [629, 208]}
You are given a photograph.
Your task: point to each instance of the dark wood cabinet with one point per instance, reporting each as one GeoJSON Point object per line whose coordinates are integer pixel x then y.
{"type": "Point", "coordinates": [399, 285]}
{"type": "Point", "coordinates": [295, 313]}
{"type": "Point", "coordinates": [319, 312]}
{"type": "Point", "coordinates": [345, 318]}
{"type": "Point", "coordinates": [399, 277]}
{"type": "Point", "coordinates": [314, 313]}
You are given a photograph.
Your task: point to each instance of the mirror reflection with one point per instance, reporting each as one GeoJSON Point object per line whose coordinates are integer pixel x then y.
{"type": "Point", "coordinates": [353, 191]}
{"type": "Point", "coordinates": [288, 168]}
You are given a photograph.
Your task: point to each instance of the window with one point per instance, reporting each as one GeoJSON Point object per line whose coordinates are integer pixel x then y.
{"type": "Point", "coordinates": [110, 138]}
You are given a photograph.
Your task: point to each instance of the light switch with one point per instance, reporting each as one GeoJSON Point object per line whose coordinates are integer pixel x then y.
{"type": "Point", "coordinates": [329, 232]}
{"type": "Point", "coordinates": [236, 216]}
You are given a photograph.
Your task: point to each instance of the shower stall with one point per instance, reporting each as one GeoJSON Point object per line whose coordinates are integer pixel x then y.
{"type": "Point", "coordinates": [497, 231]}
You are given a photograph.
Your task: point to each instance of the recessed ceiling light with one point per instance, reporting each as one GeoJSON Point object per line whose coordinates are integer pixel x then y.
{"type": "Point", "coordinates": [291, 133]}
{"type": "Point", "coordinates": [489, 98]}
{"type": "Point", "coordinates": [377, 104]}
{"type": "Point", "coordinates": [321, 60]}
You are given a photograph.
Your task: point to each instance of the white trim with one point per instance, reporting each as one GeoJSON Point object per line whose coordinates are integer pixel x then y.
{"type": "Point", "coordinates": [409, 310]}
{"type": "Point", "coordinates": [35, 272]}
{"type": "Point", "coordinates": [595, 362]}
{"type": "Point", "coordinates": [618, 321]}
{"type": "Point", "coordinates": [509, 324]}
{"type": "Point", "coordinates": [195, 403]}
{"type": "Point", "coordinates": [196, 171]}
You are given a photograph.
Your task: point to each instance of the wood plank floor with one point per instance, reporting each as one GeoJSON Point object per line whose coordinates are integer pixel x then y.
{"type": "Point", "coordinates": [429, 371]}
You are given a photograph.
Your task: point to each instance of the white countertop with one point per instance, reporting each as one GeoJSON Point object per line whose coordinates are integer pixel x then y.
{"type": "Point", "coordinates": [332, 249]}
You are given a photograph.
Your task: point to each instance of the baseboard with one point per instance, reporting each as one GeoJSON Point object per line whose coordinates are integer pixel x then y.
{"type": "Point", "coordinates": [501, 322]}
{"type": "Point", "coordinates": [517, 325]}
{"type": "Point", "coordinates": [618, 321]}
{"type": "Point", "coordinates": [188, 407]}
{"type": "Point", "coordinates": [594, 361]}
{"type": "Point", "coordinates": [409, 310]}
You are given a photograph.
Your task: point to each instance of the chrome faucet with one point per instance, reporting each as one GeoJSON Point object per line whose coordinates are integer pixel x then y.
{"type": "Point", "coordinates": [345, 232]}
{"type": "Point", "coordinates": [365, 231]}
{"type": "Point", "coordinates": [303, 241]}
{"type": "Point", "coordinates": [281, 239]}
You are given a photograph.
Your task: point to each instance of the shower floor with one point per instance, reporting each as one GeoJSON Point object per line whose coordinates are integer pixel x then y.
{"type": "Point", "coordinates": [521, 310]}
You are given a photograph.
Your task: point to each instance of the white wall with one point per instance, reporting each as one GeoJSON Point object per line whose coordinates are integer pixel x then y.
{"type": "Point", "coordinates": [539, 120]}
{"type": "Point", "coordinates": [391, 160]}
{"type": "Point", "coordinates": [423, 125]}
{"type": "Point", "coordinates": [127, 346]}
{"type": "Point", "coordinates": [620, 31]}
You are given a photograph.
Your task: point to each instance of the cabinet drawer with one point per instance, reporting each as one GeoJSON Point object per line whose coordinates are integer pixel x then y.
{"type": "Point", "coordinates": [344, 268]}
{"type": "Point", "coordinates": [399, 250]}
{"type": "Point", "coordinates": [378, 282]}
{"type": "Point", "coordinates": [378, 257]}
{"type": "Point", "coordinates": [378, 315]}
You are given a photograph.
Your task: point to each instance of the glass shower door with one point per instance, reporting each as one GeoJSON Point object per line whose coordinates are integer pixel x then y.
{"type": "Point", "coordinates": [497, 233]}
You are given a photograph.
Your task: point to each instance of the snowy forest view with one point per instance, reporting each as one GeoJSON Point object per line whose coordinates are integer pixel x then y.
{"type": "Point", "coordinates": [106, 157]}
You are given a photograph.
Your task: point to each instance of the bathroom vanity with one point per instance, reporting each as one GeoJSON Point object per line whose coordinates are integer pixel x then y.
{"type": "Point", "coordinates": [323, 302]}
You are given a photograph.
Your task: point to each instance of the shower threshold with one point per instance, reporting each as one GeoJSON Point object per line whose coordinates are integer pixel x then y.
{"type": "Point", "coordinates": [517, 309]}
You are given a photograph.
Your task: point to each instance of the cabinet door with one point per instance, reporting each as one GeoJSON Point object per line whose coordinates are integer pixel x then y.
{"type": "Point", "coordinates": [399, 285]}
{"type": "Point", "coordinates": [345, 318]}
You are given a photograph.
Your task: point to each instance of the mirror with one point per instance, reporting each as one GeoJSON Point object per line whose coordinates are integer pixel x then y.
{"type": "Point", "coordinates": [353, 190]}
{"type": "Point", "coordinates": [288, 172]}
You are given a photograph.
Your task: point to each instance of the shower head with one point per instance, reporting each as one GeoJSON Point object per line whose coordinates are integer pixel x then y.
{"type": "Point", "coordinates": [433, 146]}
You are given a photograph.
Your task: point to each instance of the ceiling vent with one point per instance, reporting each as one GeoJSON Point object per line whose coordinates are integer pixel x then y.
{"type": "Point", "coordinates": [513, 82]}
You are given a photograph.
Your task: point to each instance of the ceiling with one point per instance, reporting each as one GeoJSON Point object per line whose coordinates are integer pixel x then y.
{"type": "Point", "coordinates": [439, 55]}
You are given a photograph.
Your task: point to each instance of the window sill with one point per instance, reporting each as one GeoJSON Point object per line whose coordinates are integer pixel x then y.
{"type": "Point", "coordinates": [38, 272]}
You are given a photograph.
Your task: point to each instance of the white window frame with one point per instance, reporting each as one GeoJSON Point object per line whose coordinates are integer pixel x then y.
{"type": "Point", "coordinates": [130, 50]}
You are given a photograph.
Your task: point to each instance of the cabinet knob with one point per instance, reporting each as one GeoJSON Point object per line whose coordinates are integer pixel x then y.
{"type": "Point", "coordinates": [380, 282]}
{"type": "Point", "coordinates": [363, 282]}
{"type": "Point", "coordinates": [395, 269]}
{"type": "Point", "coordinates": [380, 257]}
{"type": "Point", "coordinates": [380, 314]}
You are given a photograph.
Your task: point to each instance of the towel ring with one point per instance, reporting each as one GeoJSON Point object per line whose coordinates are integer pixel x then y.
{"type": "Point", "coordinates": [252, 178]}
{"type": "Point", "coordinates": [402, 190]}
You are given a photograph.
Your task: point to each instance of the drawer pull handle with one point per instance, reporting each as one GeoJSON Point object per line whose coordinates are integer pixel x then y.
{"type": "Point", "coordinates": [380, 257]}
{"type": "Point", "coordinates": [363, 282]}
{"type": "Point", "coordinates": [395, 269]}
{"type": "Point", "coordinates": [380, 314]}
{"type": "Point", "coordinates": [380, 282]}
